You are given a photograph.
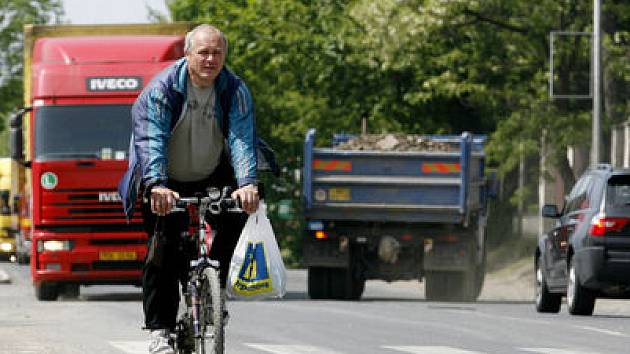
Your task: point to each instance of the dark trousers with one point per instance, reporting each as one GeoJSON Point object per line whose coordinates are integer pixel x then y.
{"type": "Point", "coordinates": [160, 282]}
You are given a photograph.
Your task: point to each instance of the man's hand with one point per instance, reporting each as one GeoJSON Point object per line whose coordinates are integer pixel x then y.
{"type": "Point", "coordinates": [162, 200]}
{"type": "Point", "coordinates": [249, 198]}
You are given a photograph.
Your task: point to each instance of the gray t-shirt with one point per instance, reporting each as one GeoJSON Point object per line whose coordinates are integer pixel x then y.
{"type": "Point", "coordinates": [196, 144]}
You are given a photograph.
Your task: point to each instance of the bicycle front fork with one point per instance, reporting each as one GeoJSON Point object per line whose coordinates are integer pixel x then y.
{"type": "Point", "coordinates": [196, 309]}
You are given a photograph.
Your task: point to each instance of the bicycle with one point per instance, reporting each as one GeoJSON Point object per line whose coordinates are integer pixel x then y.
{"type": "Point", "coordinates": [203, 319]}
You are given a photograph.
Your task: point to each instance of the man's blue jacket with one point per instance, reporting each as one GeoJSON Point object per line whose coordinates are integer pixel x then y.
{"type": "Point", "coordinates": [154, 115]}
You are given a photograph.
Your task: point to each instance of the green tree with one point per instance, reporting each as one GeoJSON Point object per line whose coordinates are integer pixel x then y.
{"type": "Point", "coordinates": [491, 56]}
{"type": "Point", "coordinates": [421, 66]}
{"type": "Point", "coordinates": [14, 14]}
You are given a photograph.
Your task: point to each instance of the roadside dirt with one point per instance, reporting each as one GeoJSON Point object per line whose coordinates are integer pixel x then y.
{"type": "Point", "coordinates": [510, 275]}
{"type": "Point", "coordinates": [512, 282]}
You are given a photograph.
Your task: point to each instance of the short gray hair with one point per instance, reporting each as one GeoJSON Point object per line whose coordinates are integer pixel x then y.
{"type": "Point", "coordinates": [203, 27]}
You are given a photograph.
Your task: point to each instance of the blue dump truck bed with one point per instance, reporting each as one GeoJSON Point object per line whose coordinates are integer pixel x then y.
{"type": "Point", "coordinates": [403, 186]}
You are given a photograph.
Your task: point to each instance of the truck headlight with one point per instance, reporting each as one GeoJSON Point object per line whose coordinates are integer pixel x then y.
{"type": "Point", "coordinates": [6, 246]}
{"type": "Point", "coordinates": [54, 245]}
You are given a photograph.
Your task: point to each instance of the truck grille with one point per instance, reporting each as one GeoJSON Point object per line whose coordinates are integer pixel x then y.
{"type": "Point", "coordinates": [83, 207]}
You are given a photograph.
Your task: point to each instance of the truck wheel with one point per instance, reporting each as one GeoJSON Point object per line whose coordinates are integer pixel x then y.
{"type": "Point", "coordinates": [21, 258]}
{"type": "Point", "coordinates": [318, 284]}
{"type": "Point", "coordinates": [480, 276]}
{"type": "Point", "coordinates": [480, 269]}
{"type": "Point", "coordinates": [451, 286]}
{"type": "Point", "coordinates": [344, 285]}
{"type": "Point", "coordinates": [468, 287]}
{"type": "Point", "coordinates": [479, 279]}
{"type": "Point", "coordinates": [435, 286]}
{"type": "Point", "coordinates": [545, 300]}
{"type": "Point", "coordinates": [71, 291]}
{"type": "Point", "coordinates": [580, 300]}
{"type": "Point", "coordinates": [46, 291]}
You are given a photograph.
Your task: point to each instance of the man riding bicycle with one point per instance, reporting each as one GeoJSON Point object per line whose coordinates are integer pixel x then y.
{"type": "Point", "coordinates": [179, 147]}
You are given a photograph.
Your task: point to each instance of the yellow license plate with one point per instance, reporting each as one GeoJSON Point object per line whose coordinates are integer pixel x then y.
{"type": "Point", "coordinates": [117, 256]}
{"type": "Point", "coordinates": [339, 194]}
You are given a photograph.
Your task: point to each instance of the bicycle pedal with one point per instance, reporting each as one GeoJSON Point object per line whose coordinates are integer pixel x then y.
{"type": "Point", "coordinates": [209, 334]}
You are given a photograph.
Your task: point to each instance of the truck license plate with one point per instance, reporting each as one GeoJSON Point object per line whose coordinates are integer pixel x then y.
{"type": "Point", "coordinates": [117, 255]}
{"type": "Point", "coordinates": [339, 194]}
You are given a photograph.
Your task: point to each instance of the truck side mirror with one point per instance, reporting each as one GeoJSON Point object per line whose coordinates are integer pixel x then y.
{"type": "Point", "coordinates": [550, 211]}
{"type": "Point", "coordinates": [15, 206]}
{"type": "Point", "coordinates": [17, 135]}
{"type": "Point", "coordinates": [492, 183]}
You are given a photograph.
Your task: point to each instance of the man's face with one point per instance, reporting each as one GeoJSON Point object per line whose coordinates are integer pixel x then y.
{"type": "Point", "coordinates": [206, 58]}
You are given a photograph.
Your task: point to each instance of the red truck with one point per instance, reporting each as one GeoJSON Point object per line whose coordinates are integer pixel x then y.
{"type": "Point", "coordinates": [70, 143]}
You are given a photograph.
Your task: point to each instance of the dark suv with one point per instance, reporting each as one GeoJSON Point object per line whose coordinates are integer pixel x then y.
{"type": "Point", "coordinates": [586, 254]}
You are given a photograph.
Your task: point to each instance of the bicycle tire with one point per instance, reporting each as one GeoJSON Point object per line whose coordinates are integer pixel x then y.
{"type": "Point", "coordinates": [212, 314]}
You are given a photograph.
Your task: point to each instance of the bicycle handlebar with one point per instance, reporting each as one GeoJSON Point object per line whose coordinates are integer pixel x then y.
{"type": "Point", "coordinates": [213, 201]}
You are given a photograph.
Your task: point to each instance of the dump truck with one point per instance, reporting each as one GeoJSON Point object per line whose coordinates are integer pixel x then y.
{"type": "Point", "coordinates": [70, 142]}
{"type": "Point", "coordinates": [395, 207]}
{"type": "Point", "coordinates": [7, 216]}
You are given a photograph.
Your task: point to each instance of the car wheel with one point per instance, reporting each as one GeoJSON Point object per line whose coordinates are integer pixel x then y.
{"type": "Point", "coordinates": [580, 300]}
{"type": "Point", "coordinates": [545, 300]}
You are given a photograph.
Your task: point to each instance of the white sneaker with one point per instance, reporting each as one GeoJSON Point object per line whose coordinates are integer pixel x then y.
{"type": "Point", "coordinates": [159, 342]}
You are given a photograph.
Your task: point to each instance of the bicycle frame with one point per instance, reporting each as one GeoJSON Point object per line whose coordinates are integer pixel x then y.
{"type": "Point", "coordinates": [203, 286]}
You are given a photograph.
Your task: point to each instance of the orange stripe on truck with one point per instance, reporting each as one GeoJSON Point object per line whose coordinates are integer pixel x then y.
{"type": "Point", "coordinates": [332, 165]}
{"type": "Point", "coordinates": [441, 167]}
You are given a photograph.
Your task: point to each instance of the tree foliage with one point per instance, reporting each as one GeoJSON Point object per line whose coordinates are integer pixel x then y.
{"type": "Point", "coordinates": [14, 14]}
{"type": "Point", "coordinates": [423, 66]}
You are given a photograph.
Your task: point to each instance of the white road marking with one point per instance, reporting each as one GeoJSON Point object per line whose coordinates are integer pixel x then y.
{"type": "Point", "coordinates": [555, 351]}
{"type": "Point", "coordinates": [429, 349]}
{"type": "Point", "coordinates": [23, 348]}
{"type": "Point", "coordinates": [4, 276]}
{"type": "Point", "coordinates": [604, 331]}
{"type": "Point", "coordinates": [132, 347]}
{"type": "Point", "coordinates": [290, 349]}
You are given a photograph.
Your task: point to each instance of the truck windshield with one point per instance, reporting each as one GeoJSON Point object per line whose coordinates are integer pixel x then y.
{"type": "Point", "coordinates": [82, 131]}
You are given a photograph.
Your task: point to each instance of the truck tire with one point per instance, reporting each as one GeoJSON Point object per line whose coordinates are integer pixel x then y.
{"type": "Point", "coordinates": [46, 291]}
{"type": "Point", "coordinates": [22, 258]}
{"type": "Point", "coordinates": [318, 284]}
{"type": "Point", "coordinates": [345, 285]}
{"type": "Point", "coordinates": [334, 283]}
{"type": "Point", "coordinates": [435, 287]}
{"type": "Point", "coordinates": [452, 286]}
{"type": "Point", "coordinates": [21, 253]}
{"type": "Point", "coordinates": [71, 291]}
{"type": "Point", "coordinates": [480, 267]}
{"type": "Point", "coordinates": [480, 276]}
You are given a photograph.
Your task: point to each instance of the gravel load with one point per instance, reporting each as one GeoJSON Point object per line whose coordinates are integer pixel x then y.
{"type": "Point", "coordinates": [396, 142]}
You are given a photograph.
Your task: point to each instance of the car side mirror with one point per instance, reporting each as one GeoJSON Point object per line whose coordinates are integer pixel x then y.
{"type": "Point", "coordinates": [550, 211]}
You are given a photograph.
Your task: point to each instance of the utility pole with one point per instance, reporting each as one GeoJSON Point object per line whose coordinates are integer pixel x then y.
{"type": "Point", "coordinates": [597, 31]}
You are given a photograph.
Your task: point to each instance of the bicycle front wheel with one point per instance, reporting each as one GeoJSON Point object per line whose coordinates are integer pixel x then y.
{"type": "Point", "coordinates": [213, 340]}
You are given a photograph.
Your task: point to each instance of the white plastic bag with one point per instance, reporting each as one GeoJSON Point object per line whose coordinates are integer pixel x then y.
{"type": "Point", "coordinates": [256, 270]}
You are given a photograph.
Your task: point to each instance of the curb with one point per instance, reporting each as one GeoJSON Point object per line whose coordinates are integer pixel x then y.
{"type": "Point", "coordinates": [4, 277]}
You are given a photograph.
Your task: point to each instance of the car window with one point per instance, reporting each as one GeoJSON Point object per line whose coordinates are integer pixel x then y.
{"type": "Point", "coordinates": [578, 198]}
{"type": "Point", "coordinates": [618, 191]}
{"type": "Point", "coordinates": [595, 191]}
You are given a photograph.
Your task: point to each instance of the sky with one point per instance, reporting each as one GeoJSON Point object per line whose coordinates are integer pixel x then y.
{"type": "Point", "coordinates": [110, 11]}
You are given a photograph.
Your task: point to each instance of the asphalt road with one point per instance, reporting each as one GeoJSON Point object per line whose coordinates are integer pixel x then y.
{"type": "Point", "coordinates": [391, 318]}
